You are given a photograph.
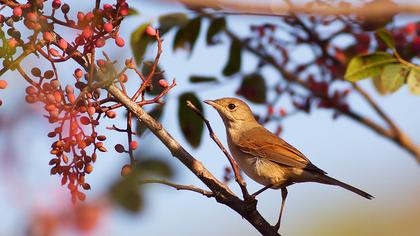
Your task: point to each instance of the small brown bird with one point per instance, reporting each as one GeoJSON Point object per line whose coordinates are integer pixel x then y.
{"type": "Point", "coordinates": [266, 158]}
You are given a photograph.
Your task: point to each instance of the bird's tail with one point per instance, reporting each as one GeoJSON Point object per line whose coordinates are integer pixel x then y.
{"type": "Point", "coordinates": [329, 180]}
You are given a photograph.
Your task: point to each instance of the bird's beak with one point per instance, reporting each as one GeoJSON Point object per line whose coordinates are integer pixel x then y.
{"type": "Point", "coordinates": [213, 104]}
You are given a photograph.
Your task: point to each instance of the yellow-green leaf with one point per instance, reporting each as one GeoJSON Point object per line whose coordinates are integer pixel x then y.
{"type": "Point", "coordinates": [386, 37]}
{"type": "Point", "coordinates": [168, 21]}
{"type": "Point", "coordinates": [413, 81]}
{"type": "Point", "coordinates": [365, 66]}
{"type": "Point", "coordinates": [216, 26]}
{"type": "Point", "coordinates": [139, 42]}
{"type": "Point", "coordinates": [393, 76]}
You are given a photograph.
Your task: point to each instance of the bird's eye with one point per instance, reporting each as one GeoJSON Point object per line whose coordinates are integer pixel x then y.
{"type": "Point", "coordinates": [231, 106]}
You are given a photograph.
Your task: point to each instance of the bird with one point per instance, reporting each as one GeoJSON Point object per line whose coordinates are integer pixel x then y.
{"type": "Point", "coordinates": [265, 157]}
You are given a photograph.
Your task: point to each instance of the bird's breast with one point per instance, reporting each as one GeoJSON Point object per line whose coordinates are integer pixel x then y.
{"type": "Point", "coordinates": [259, 169]}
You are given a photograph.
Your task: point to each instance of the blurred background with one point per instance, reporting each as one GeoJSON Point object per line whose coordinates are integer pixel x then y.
{"type": "Point", "coordinates": [33, 203]}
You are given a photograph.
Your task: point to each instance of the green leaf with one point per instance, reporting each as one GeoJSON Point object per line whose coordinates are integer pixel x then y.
{"type": "Point", "coordinates": [365, 66]}
{"type": "Point", "coordinates": [216, 26]}
{"type": "Point", "coordinates": [393, 76]}
{"type": "Point", "coordinates": [413, 81]}
{"type": "Point", "coordinates": [156, 89]}
{"type": "Point", "coordinates": [168, 21]}
{"type": "Point", "coordinates": [191, 125]}
{"type": "Point", "coordinates": [233, 64]}
{"type": "Point", "coordinates": [156, 113]}
{"type": "Point", "coordinates": [126, 193]}
{"type": "Point", "coordinates": [151, 166]}
{"type": "Point", "coordinates": [202, 79]}
{"type": "Point", "coordinates": [386, 37]}
{"type": "Point", "coordinates": [139, 42]}
{"type": "Point", "coordinates": [379, 85]}
{"type": "Point", "coordinates": [132, 12]}
{"type": "Point", "coordinates": [187, 35]}
{"type": "Point", "coordinates": [253, 88]}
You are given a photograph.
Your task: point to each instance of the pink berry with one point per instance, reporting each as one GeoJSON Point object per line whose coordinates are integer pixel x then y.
{"type": "Point", "coordinates": [87, 33]}
{"type": "Point", "coordinates": [3, 84]}
{"type": "Point", "coordinates": [12, 42]}
{"type": "Point", "coordinates": [100, 42]}
{"type": "Point", "coordinates": [133, 145]}
{"type": "Point", "coordinates": [150, 31]}
{"type": "Point", "coordinates": [56, 4]}
{"type": "Point", "coordinates": [163, 83]}
{"type": "Point", "coordinates": [108, 27]}
{"type": "Point", "coordinates": [62, 44]}
{"type": "Point", "coordinates": [17, 11]}
{"type": "Point", "coordinates": [48, 36]}
{"type": "Point", "coordinates": [120, 42]}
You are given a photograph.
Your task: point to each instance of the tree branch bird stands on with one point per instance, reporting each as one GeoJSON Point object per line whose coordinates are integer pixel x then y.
{"type": "Point", "coordinates": [266, 158]}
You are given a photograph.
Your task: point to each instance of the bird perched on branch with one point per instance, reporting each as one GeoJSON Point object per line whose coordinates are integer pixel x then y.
{"type": "Point", "coordinates": [266, 158]}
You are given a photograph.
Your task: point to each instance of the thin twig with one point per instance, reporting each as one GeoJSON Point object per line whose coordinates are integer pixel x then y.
{"type": "Point", "coordinates": [232, 162]}
{"type": "Point", "coordinates": [178, 186]}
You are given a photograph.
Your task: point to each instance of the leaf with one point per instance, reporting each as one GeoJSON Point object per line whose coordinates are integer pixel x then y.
{"type": "Point", "coordinates": [216, 26]}
{"type": "Point", "coordinates": [393, 76]}
{"type": "Point", "coordinates": [187, 35]}
{"type": "Point", "coordinates": [253, 88]}
{"type": "Point", "coordinates": [139, 42]}
{"type": "Point", "coordinates": [413, 81]}
{"type": "Point", "coordinates": [370, 65]}
{"type": "Point", "coordinates": [191, 125]}
{"type": "Point", "coordinates": [155, 167]}
{"type": "Point", "coordinates": [126, 194]}
{"type": "Point", "coordinates": [202, 79]}
{"type": "Point", "coordinates": [156, 89]}
{"type": "Point", "coordinates": [132, 12]}
{"type": "Point", "coordinates": [379, 86]}
{"type": "Point", "coordinates": [156, 113]}
{"type": "Point", "coordinates": [233, 64]}
{"type": "Point", "coordinates": [168, 21]}
{"type": "Point", "coordinates": [386, 37]}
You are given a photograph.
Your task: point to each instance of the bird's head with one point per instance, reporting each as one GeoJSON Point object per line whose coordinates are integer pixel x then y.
{"type": "Point", "coordinates": [232, 110]}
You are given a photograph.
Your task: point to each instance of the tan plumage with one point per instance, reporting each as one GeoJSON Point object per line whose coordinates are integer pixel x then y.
{"type": "Point", "coordinates": [263, 156]}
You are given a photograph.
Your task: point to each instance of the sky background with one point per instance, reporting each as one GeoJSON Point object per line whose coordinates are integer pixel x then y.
{"type": "Point", "coordinates": [343, 148]}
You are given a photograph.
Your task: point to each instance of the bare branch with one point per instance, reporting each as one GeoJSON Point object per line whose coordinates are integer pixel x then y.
{"type": "Point", "coordinates": [232, 162]}
{"type": "Point", "coordinates": [178, 186]}
{"type": "Point", "coordinates": [277, 8]}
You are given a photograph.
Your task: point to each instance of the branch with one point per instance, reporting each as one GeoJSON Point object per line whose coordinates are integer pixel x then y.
{"type": "Point", "coordinates": [178, 186]}
{"type": "Point", "coordinates": [380, 9]}
{"type": "Point", "coordinates": [232, 162]}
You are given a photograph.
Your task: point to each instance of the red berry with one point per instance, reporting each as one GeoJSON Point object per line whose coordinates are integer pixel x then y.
{"type": "Point", "coordinates": [120, 42]}
{"type": "Point", "coordinates": [119, 148]}
{"type": "Point", "coordinates": [56, 4]}
{"type": "Point", "coordinates": [91, 110]}
{"type": "Point", "coordinates": [54, 52]}
{"type": "Point", "coordinates": [80, 16]}
{"type": "Point", "coordinates": [17, 11]}
{"type": "Point", "coordinates": [107, 6]}
{"type": "Point", "coordinates": [124, 11]}
{"type": "Point", "coordinates": [62, 44]}
{"type": "Point", "coordinates": [12, 42]}
{"type": "Point", "coordinates": [88, 169]}
{"type": "Point", "coordinates": [89, 16]}
{"type": "Point", "coordinates": [100, 42]}
{"type": "Point", "coordinates": [163, 83]}
{"type": "Point", "coordinates": [101, 62]}
{"type": "Point", "coordinates": [150, 31]}
{"type": "Point", "coordinates": [84, 120]}
{"type": "Point", "coordinates": [87, 33]}
{"type": "Point", "coordinates": [282, 112]}
{"type": "Point", "coordinates": [48, 36]}
{"type": "Point", "coordinates": [3, 84]}
{"type": "Point", "coordinates": [111, 114]}
{"type": "Point", "coordinates": [133, 145]}
{"type": "Point", "coordinates": [108, 27]}
{"type": "Point", "coordinates": [32, 17]}
{"type": "Point", "coordinates": [78, 73]}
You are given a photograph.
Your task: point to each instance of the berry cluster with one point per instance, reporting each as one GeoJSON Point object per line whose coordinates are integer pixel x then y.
{"type": "Point", "coordinates": [76, 110]}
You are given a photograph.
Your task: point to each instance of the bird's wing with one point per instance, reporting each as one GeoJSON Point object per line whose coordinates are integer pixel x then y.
{"type": "Point", "coordinates": [262, 143]}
